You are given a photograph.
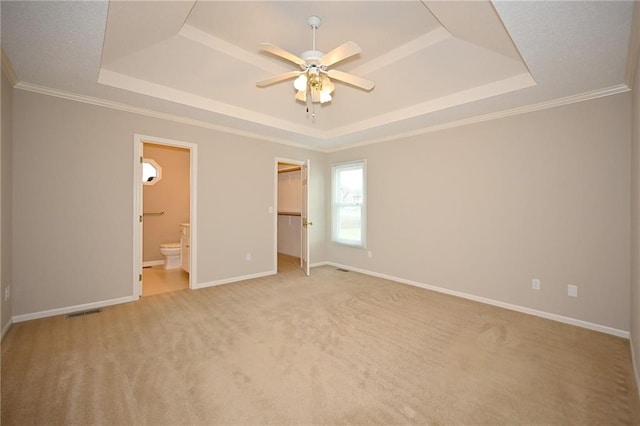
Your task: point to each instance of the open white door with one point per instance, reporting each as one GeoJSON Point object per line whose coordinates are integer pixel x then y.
{"type": "Point", "coordinates": [304, 258]}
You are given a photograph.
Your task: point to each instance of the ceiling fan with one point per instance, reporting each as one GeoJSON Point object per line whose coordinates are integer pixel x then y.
{"type": "Point", "coordinates": [313, 82]}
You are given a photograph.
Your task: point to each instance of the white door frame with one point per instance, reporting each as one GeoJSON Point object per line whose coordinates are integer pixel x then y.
{"type": "Point", "coordinates": [275, 203]}
{"type": "Point", "coordinates": [138, 140]}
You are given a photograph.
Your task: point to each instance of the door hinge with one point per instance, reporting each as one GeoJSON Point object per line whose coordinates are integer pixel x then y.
{"type": "Point", "coordinates": [140, 218]}
{"type": "Point", "coordinates": [141, 160]}
{"type": "Point", "coordinates": [140, 277]}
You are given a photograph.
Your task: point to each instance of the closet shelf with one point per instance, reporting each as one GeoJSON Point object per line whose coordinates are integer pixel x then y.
{"type": "Point", "coordinates": [289, 214]}
{"type": "Point", "coordinates": [289, 169]}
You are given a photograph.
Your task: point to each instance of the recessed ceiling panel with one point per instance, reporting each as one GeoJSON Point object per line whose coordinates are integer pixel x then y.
{"type": "Point", "coordinates": [376, 26]}
{"type": "Point", "coordinates": [213, 61]}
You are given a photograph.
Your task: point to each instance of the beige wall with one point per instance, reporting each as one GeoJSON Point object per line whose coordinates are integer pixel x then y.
{"type": "Point", "coordinates": [480, 209]}
{"type": "Point", "coordinates": [6, 191]}
{"type": "Point", "coordinates": [635, 205]}
{"type": "Point", "coordinates": [73, 239]}
{"type": "Point", "coordinates": [170, 194]}
{"type": "Point", "coordinates": [485, 208]}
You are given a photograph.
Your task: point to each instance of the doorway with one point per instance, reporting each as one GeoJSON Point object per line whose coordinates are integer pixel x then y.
{"type": "Point", "coordinates": [291, 230]}
{"type": "Point", "coordinates": [164, 215]}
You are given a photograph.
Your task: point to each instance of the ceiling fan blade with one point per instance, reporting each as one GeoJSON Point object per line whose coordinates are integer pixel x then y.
{"type": "Point", "coordinates": [278, 78]}
{"type": "Point", "coordinates": [344, 51]}
{"type": "Point", "coordinates": [351, 79]}
{"type": "Point", "coordinates": [275, 50]}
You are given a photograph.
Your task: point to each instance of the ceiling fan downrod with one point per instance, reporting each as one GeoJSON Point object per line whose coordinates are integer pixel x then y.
{"type": "Point", "coordinates": [314, 23]}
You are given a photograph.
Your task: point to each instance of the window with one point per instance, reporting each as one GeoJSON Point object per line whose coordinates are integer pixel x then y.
{"type": "Point", "coordinates": [348, 203]}
{"type": "Point", "coordinates": [151, 172]}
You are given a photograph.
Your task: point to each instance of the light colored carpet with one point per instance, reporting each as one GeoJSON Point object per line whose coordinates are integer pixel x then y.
{"type": "Point", "coordinates": [334, 348]}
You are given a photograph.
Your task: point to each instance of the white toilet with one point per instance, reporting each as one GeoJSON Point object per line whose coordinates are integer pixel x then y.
{"type": "Point", "coordinates": [171, 253]}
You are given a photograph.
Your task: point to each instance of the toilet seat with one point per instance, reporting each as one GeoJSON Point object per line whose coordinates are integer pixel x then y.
{"type": "Point", "coordinates": [170, 245]}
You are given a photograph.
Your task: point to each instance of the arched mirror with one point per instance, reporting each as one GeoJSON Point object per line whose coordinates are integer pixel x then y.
{"type": "Point", "coordinates": [151, 172]}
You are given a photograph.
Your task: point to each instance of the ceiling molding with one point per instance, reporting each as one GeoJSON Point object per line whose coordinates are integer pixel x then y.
{"type": "Point", "coordinates": [136, 85]}
{"type": "Point", "coordinates": [9, 72]}
{"type": "Point", "coordinates": [194, 34]}
{"type": "Point", "coordinates": [582, 97]}
{"type": "Point", "coordinates": [427, 40]}
{"type": "Point", "coordinates": [151, 113]}
{"type": "Point", "coordinates": [614, 90]}
{"type": "Point", "coordinates": [473, 94]}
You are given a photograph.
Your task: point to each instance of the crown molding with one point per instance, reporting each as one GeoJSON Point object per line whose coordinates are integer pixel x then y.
{"type": "Point", "coordinates": [151, 113]}
{"type": "Point", "coordinates": [586, 96]}
{"type": "Point", "coordinates": [614, 90]}
{"type": "Point", "coordinates": [7, 68]}
{"type": "Point", "coordinates": [500, 87]}
{"type": "Point", "coordinates": [181, 97]}
{"type": "Point", "coordinates": [394, 55]}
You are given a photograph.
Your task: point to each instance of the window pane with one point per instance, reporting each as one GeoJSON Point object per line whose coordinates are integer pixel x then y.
{"type": "Point", "coordinates": [148, 172]}
{"type": "Point", "coordinates": [350, 223]}
{"type": "Point", "coordinates": [348, 188]}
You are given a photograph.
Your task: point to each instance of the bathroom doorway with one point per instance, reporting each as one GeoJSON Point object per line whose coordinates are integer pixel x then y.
{"type": "Point", "coordinates": [164, 252]}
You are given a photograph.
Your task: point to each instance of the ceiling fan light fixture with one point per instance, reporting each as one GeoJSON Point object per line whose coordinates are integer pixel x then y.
{"type": "Point", "coordinates": [327, 85]}
{"type": "Point", "coordinates": [300, 83]}
{"type": "Point", "coordinates": [325, 97]}
{"type": "Point", "coordinates": [313, 84]}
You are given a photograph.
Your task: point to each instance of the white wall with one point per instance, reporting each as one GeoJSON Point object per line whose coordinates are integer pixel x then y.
{"type": "Point", "coordinates": [483, 209]}
{"type": "Point", "coordinates": [6, 195]}
{"type": "Point", "coordinates": [635, 204]}
{"type": "Point", "coordinates": [73, 201]}
{"type": "Point", "coordinates": [289, 235]}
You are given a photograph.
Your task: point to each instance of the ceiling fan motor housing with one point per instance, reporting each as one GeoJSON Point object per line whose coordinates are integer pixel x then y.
{"type": "Point", "coordinates": [312, 57]}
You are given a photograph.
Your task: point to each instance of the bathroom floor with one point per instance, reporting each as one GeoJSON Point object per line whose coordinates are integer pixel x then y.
{"type": "Point", "coordinates": [156, 280]}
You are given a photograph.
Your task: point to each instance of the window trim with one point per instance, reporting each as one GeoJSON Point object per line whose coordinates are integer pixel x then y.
{"type": "Point", "coordinates": [335, 167]}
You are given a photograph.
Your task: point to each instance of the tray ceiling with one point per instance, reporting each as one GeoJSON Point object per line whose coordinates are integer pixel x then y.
{"type": "Point", "coordinates": [434, 63]}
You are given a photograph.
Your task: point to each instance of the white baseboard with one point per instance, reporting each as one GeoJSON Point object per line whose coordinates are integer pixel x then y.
{"type": "Point", "coordinates": [517, 308]}
{"type": "Point", "coordinates": [94, 305]}
{"type": "Point", "coordinates": [6, 329]}
{"type": "Point", "coordinates": [152, 263]}
{"type": "Point", "coordinates": [71, 309]}
{"type": "Point", "coordinates": [233, 279]}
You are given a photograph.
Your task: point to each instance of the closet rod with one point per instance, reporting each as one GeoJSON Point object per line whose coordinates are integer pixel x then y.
{"type": "Point", "coordinates": [154, 213]}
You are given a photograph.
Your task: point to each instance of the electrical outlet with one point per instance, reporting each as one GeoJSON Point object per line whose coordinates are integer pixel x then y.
{"type": "Point", "coordinates": [535, 284]}
{"type": "Point", "coordinates": [572, 290]}
{"type": "Point", "coordinates": [7, 292]}
{"type": "Point", "coordinates": [370, 254]}
{"type": "Point", "coordinates": [248, 256]}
